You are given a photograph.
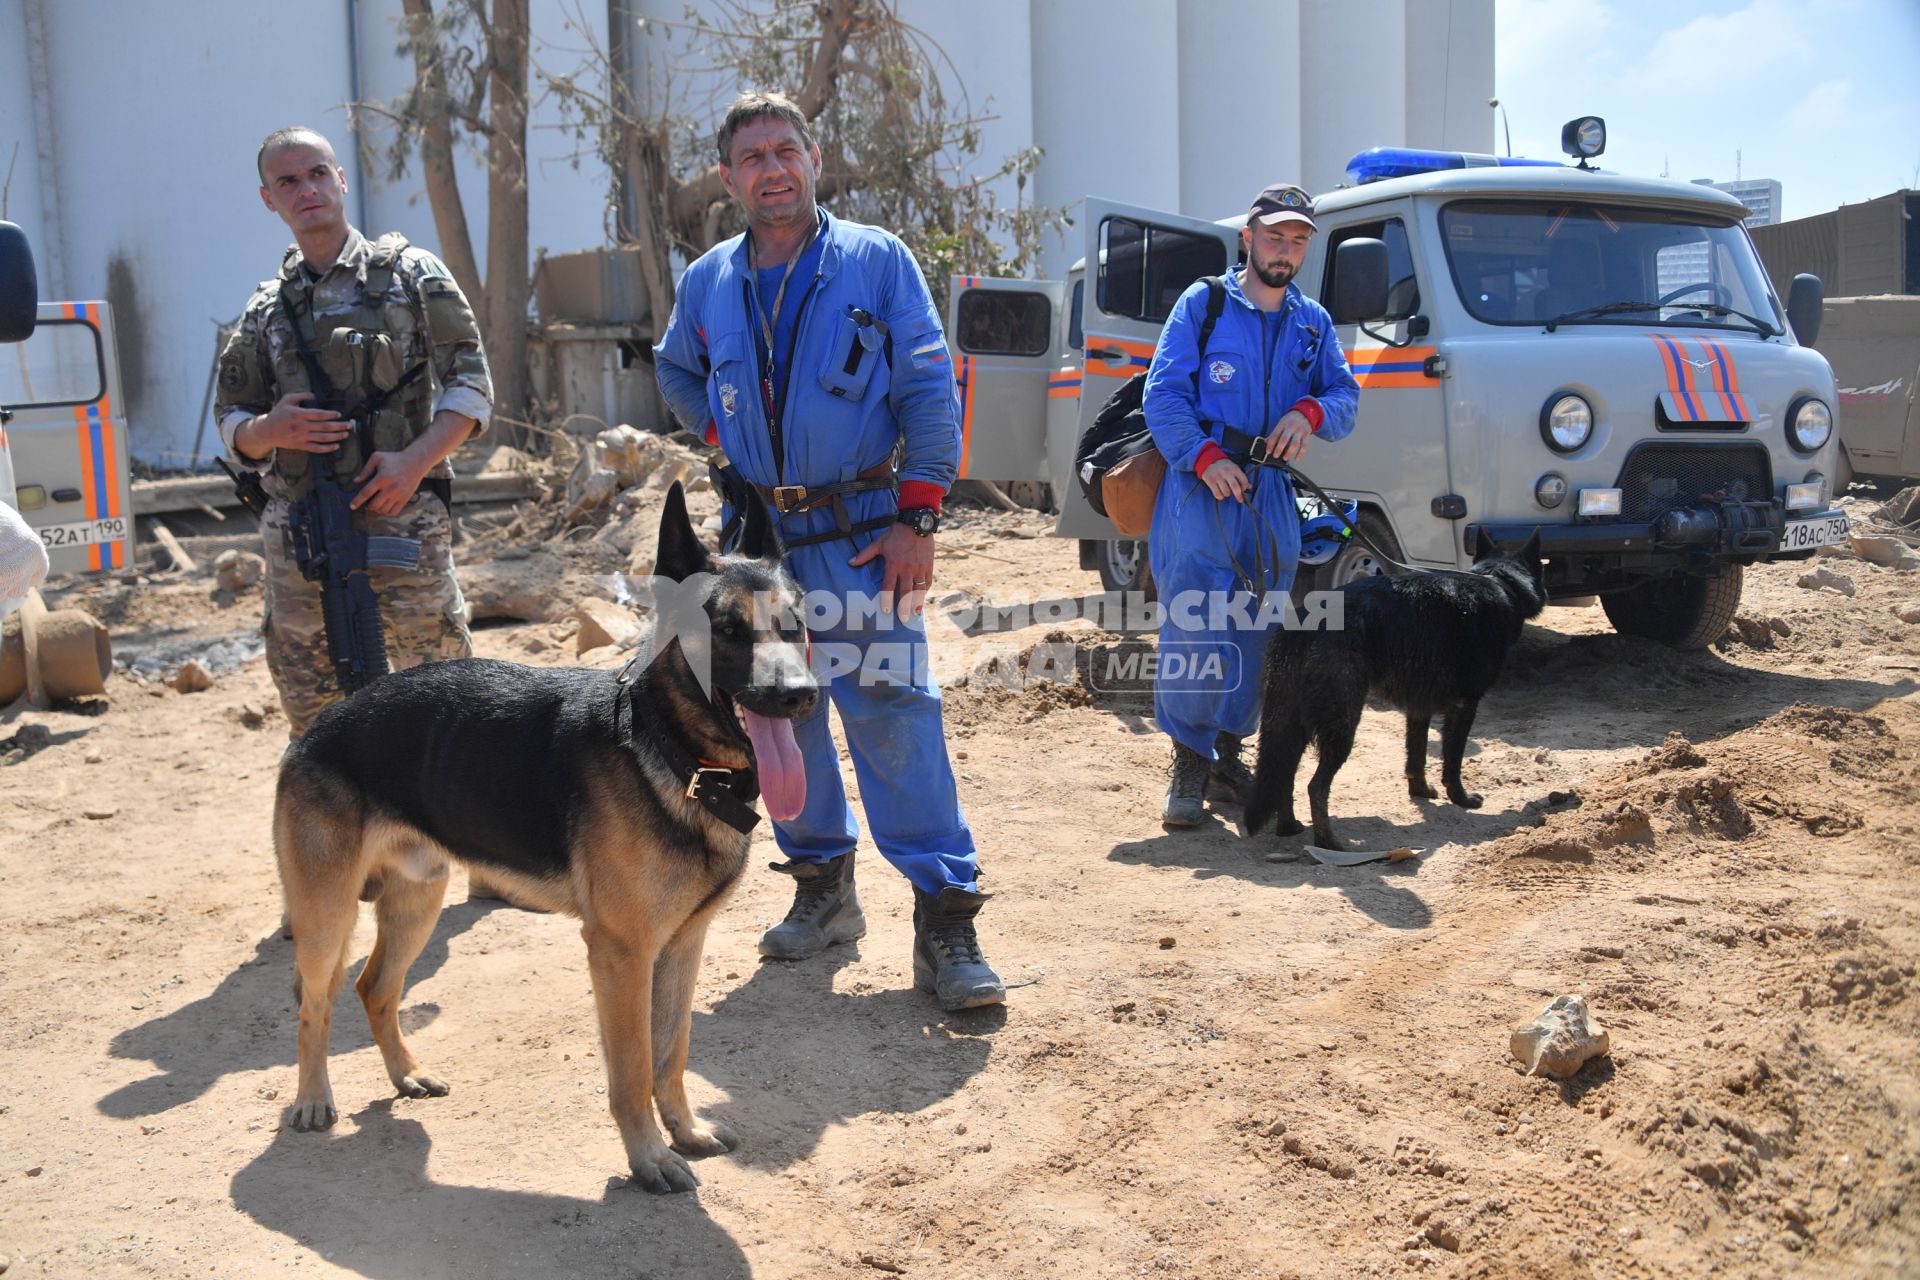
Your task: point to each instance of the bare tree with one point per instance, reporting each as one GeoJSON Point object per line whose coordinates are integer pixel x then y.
{"type": "Point", "coordinates": [896, 152]}
{"type": "Point", "coordinates": [470, 74]}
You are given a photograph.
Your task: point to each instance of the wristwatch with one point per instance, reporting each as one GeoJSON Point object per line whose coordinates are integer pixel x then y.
{"type": "Point", "coordinates": [922, 520]}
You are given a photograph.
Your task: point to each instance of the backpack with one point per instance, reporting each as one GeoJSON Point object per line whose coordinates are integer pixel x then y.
{"type": "Point", "coordinates": [1119, 468]}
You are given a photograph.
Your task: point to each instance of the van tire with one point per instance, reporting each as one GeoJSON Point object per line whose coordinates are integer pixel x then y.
{"type": "Point", "coordinates": [1122, 564]}
{"type": "Point", "coordinates": [1356, 560]}
{"type": "Point", "coordinates": [1682, 611]}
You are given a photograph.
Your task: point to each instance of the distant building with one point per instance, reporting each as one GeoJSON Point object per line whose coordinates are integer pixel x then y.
{"type": "Point", "coordinates": [1761, 195]}
{"type": "Point", "coordinates": [1685, 264]}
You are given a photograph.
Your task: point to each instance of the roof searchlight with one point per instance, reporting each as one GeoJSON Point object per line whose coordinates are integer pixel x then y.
{"type": "Point", "coordinates": [1584, 138]}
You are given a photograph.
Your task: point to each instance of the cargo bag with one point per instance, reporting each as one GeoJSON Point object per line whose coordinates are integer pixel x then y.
{"type": "Point", "coordinates": [1117, 464]}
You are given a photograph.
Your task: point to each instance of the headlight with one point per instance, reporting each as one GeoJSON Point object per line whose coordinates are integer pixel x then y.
{"type": "Point", "coordinates": [1566, 422]}
{"type": "Point", "coordinates": [1809, 423]}
{"type": "Point", "coordinates": [1550, 490]}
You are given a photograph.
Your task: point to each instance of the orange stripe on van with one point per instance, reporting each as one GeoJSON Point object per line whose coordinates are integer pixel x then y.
{"type": "Point", "coordinates": [1664, 345]}
{"type": "Point", "coordinates": [966, 411]}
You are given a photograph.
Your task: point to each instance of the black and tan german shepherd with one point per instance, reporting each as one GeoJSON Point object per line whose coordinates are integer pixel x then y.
{"type": "Point", "coordinates": [1427, 643]}
{"type": "Point", "coordinates": [621, 797]}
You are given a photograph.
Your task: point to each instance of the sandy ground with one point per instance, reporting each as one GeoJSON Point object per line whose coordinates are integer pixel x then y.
{"type": "Point", "coordinates": [1211, 1064]}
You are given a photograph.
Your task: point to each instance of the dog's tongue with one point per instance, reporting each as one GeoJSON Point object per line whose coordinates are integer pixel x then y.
{"type": "Point", "coordinates": [776, 757]}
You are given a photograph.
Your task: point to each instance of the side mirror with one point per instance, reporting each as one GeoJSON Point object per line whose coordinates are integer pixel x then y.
{"type": "Point", "coordinates": [1803, 307]}
{"type": "Point", "coordinates": [19, 286]}
{"type": "Point", "coordinates": [1359, 281]}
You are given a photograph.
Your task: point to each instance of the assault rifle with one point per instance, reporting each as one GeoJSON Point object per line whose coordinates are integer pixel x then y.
{"type": "Point", "coordinates": [330, 551]}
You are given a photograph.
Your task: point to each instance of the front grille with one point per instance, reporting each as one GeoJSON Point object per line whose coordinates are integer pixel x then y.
{"type": "Point", "coordinates": [1659, 478]}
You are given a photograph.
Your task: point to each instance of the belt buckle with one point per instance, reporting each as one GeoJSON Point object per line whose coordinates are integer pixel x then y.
{"type": "Point", "coordinates": [698, 776]}
{"type": "Point", "coordinates": [788, 497]}
{"type": "Point", "coordinates": [1258, 453]}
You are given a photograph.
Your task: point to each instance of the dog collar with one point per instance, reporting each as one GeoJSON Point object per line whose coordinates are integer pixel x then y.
{"type": "Point", "coordinates": [722, 790]}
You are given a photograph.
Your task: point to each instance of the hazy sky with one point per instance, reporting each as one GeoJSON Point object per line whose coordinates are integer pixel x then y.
{"type": "Point", "coordinates": [1823, 95]}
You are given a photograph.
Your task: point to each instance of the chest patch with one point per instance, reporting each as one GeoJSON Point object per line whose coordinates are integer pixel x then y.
{"type": "Point", "coordinates": [728, 398]}
{"type": "Point", "coordinates": [1220, 371]}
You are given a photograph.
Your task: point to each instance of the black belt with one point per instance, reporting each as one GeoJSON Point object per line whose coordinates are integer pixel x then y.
{"type": "Point", "coordinates": [1251, 450]}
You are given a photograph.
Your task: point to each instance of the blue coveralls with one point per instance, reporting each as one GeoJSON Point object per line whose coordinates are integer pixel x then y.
{"type": "Point", "coordinates": [1258, 365]}
{"type": "Point", "coordinates": [835, 424]}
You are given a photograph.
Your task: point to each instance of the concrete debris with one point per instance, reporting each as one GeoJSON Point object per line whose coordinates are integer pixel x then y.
{"type": "Point", "coordinates": [1826, 579]}
{"type": "Point", "coordinates": [1560, 1039]}
{"type": "Point", "coordinates": [1888, 552]}
{"type": "Point", "coordinates": [603, 622]}
{"type": "Point", "coordinates": [236, 570]}
{"type": "Point", "coordinates": [193, 678]}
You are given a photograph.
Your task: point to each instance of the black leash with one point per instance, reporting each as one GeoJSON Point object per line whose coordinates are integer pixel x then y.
{"type": "Point", "coordinates": [1254, 450]}
{"type": "Point", "coordinates": [1332, 505]}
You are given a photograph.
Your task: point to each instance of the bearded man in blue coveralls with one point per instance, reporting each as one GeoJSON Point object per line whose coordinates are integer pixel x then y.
{"type": "Point", "coordinates": [810, 351]}
{"type": "Point", "coordinates": [1225, 538]}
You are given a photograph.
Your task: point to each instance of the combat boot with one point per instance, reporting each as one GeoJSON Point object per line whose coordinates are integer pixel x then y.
{"type": "Point", "coordinates": [946, 950]}
{"type": "Point", "coordinates": [1186, 789]}
{"type": "Point", "coordinates": [825, 910]}
{"type": "Point", "coordinates": [1229, 778]}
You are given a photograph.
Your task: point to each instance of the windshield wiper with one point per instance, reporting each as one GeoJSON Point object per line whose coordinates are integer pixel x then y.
{"type": "Point", "coordinates": [1706, 308]}
{"type": "Point", "coordinates": [1604, 309]}
{"type": "Point", "coordinates": [1715, 309]}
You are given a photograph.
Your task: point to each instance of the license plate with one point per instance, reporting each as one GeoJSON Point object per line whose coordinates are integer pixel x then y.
{"type": "Point", "coordinates": [84, 533]}
{"type": "Point", "coordinates": [1803, 535]}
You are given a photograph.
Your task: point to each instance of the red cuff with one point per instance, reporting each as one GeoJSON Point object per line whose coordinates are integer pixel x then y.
{"type": "Point", "coordinates": [915, 494]}
{"type": "Point", "coordinates": [1309, 408]}
{"type": "Point", "coordinates": [1209, 454]}
{"type": "Point", "coordinates": [712, 434]}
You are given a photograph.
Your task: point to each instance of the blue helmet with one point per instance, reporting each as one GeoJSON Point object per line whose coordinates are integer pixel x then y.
{"type": "Point", "coordinates": [1322, 533]}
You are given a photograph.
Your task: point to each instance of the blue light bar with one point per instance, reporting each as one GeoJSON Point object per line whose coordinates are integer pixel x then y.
{"type": "Point", "coordinates": [1380, 163]}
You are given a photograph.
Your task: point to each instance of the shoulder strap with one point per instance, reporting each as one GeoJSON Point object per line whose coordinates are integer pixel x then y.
{"type": "Point", "coordinates": [386, 252]}
{"type": "Point", "coordinates": [296, 303]}
{"type": "Point", "coordinates": [1216, 303]}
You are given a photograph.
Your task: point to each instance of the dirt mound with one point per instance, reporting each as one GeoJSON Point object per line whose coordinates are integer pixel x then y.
{"type": "Point", "coordinates": [1682, 794]}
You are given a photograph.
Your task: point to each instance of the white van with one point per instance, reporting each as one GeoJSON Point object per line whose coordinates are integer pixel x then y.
{"type": "Point", "coordinates": [63, 438]}
{"type": "Point", "coordinates": [1537, 345]}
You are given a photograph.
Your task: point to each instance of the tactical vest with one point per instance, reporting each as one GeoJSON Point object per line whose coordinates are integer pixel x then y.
{"type": "Point", "coordinates": [363, 354]}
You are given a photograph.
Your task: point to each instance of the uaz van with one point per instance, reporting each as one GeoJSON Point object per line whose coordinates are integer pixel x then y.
{"type": "Point", "coordinates": [63, 438]}
{"type": "Point", "coordinates": [1538, 345]}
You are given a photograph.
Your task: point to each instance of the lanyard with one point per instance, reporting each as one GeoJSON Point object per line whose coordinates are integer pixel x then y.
{"type": "Point", "coordinates": [768, 321]}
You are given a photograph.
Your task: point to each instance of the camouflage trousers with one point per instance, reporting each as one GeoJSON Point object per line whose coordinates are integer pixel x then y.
{"type": "Point", "coordinates": [421, 609]}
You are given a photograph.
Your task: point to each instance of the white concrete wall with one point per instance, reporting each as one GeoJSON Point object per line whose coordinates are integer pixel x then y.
{"type": "Point", "coordinates": [154, 179]}
{"type": "Point", "coordinates": [1241, 109]}
{"type": "Point", "coordinates": [19, 140]}
{"type": "Point", "coordinates": [134, 173]}
{"type": "Point", "coordinates": [1105, 102]}
{"type": "Point", "coordinates": [1353, 83]}
{"type": "Point", "coordinates": [1449, 68]}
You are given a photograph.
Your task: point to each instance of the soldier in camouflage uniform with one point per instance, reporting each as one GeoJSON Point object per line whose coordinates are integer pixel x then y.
{"type": "Point", "coordinates": [389, 326]}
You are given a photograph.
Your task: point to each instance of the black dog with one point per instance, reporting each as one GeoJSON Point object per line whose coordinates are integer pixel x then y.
{"type": "Point", "coordinates": [1428, 643]}
{"type": "Point", "coordinates": [621, 797]}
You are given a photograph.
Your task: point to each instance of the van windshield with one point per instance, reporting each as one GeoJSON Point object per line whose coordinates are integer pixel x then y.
{"type": "Point", "coordinates": [1538, 262]}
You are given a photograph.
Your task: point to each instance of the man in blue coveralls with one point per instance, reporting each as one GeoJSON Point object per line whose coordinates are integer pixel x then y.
{"type": "Point", "coordinates": [809, 350]}
{"type": "Point", "coordinates": [1225, 529]}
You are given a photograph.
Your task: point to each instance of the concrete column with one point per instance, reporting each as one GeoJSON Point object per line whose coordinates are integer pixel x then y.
{"type": "Point", "coordinates": [1240, 101]}
{"type": "Point", "coordinates": [1354, 81]}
